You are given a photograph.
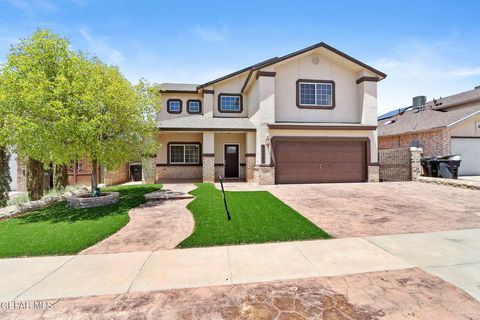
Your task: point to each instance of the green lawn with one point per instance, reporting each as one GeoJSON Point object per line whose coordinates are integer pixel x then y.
{"type": "Point", "coordinates": [58, 230]}
{"type": "Point", "coordinates": [257, 217]}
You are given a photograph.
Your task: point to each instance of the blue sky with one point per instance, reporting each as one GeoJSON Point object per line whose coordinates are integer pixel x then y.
{"type": "Point", "coordinates": [425, 47]}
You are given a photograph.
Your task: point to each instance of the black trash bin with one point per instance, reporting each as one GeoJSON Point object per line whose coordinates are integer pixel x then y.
{"type": "Point", "coordinates": [136, 172]}
{"type": "Point", "coordinates": [448, 166]}
{"type": "Point", "coordinates": [430, 166]}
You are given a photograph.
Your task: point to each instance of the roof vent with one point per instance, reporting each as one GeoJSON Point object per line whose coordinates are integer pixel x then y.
{"type": "Point", "coordinates": [477, 87]}
{"type": "Point", "coordinates": [419, 102]}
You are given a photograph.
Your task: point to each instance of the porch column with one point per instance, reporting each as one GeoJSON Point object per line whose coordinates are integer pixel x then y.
{"type": "Point", "coordinates": [208, 156]}
{"type": "Point", "coordinates": [250, 154]}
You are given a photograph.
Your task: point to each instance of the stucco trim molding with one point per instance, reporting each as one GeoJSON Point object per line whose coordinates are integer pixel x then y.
{"type": "Point", "coordinates": [318, 127]}
{"type": "Point", "coordinates": [207, 129]}
{"type": "Point", "coordinates": [265, 74]}
{"type": "Point", "coordinates": [371, 79]}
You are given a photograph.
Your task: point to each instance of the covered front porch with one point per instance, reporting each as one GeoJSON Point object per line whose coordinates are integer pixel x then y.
{"type": "Point", "coordinates": [205, 155]}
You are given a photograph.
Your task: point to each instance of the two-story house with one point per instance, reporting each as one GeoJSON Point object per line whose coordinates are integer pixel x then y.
{"type": "Point", "coordinates": [306, 117]}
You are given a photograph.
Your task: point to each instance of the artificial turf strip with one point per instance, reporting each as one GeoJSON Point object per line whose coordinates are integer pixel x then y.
{"type": "Point", "coordinates": [58, 230]}
{"type": "Point", "coordinates": [257, 217]}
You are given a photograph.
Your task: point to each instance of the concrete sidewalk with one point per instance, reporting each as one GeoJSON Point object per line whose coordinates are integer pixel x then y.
{"type": "Point", "coordinates": [454, 256]}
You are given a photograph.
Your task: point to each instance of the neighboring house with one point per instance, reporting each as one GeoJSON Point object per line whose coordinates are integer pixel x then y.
{"type": "Point", "coordinates": [307, 117]}
{"type": "Point", "coordinates": [449, 125]}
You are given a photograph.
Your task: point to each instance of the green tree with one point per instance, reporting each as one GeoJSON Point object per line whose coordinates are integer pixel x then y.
{"type": "Point", "coordinates": [36, 83]}
{"type": "Point", "coordinates": [116, 120]}
{"type": "Point", "coordinates": [61, 105]}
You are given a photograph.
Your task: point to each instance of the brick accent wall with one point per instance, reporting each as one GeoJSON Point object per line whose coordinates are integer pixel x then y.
{"type": "Point", "coordinates": [433, 142]}
{"type": "Point", "coordinates": [178, 172]}
{"type": "Point", "coordinates": [373, 173]}
{"type": "Point", "coordinates": [264, 175]}
{"type": "Point", "coordinates": [208, 171]}
{"type": "Point", "coordinates": [219, 171]}
{"type": "Point", "coordinates": [148, 170]}
{"type": "Point", "coordinates": [116, 176]}
{"type": "Point", "coordinates": [400, 164]}
{"type": "Point", "coordinates": [250, 164]}
{"type": "Point", "coordinates": [21, 176]}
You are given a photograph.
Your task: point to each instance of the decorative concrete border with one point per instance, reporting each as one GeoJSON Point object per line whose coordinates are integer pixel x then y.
{"type": "Point", "coordinates": [91, 202]}
{"type": "Point", "coordinates": [450, 182]}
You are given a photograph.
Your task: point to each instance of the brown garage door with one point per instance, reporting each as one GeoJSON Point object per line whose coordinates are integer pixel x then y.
{"type": "Point", "coordinates": [304, 161]}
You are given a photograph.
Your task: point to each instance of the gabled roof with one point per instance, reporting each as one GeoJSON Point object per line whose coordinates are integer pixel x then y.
{"type": "Point", "coordinates": [455, 99]}
{"type": "Point", "coordinates": [178, 87]}
{"type": "Point", "coordinates": [199, 123]}
{"type": "Point", "coordinates": [429, 119]}
{"type": "Point", "coordinates": [274, 60]}
{"type": "Point", "coordinates": [233, 74]}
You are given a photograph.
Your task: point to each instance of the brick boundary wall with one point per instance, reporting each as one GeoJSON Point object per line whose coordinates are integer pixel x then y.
{"type": "Point", "coordinates": [400, 164]}
{"type": "Point", "coordinates": [433, 142]}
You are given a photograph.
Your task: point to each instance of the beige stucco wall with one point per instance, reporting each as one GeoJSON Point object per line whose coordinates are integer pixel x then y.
{"type": "Point", "coordinates": [164, 115]}
{"type": "Point", "coordinates": [233, 85]}
{"type": "Point", "coordinates": [225, 138]}
{"type": "Point", "coordinates": [467, 128]}
{"type": "Point", "coordinates": [372, 135]}
{"type": "Point", "coordinates": [165, 137]}
{"type": "Point", "coordinates": [346, 109]}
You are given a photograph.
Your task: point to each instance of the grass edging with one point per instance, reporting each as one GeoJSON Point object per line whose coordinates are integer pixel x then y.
{"type": "Point", "coordinates": [58, 230]}
{"type": "Point", "coordinates": [257, 217]}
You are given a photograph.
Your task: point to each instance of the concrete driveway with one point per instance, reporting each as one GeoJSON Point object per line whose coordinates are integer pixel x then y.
{"type": "Point", "coordinates": [370, 209]}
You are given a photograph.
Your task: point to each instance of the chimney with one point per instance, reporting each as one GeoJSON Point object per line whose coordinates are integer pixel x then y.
{"type": "Point", "coordinates": [419, 102]}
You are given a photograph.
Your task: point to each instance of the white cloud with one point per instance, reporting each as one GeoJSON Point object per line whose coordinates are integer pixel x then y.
{"type": "Point", "coordinates": [211, 35]}
{"type": "Point", "coordinates": [430, 68]}
{"type": "Point", "coordinates": [99, 46]}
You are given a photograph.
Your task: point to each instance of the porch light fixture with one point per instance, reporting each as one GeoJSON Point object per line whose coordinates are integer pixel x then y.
{"type": "Point", "coordinates": [267, 141]}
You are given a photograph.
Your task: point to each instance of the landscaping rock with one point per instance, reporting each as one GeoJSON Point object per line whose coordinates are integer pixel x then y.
{"type": "Point", "coordinates": [167, 195]}
{"type": "Point", "coordinates": [451, 182]}
{"type": "Point", "coordinates": [18, 209]}
{"type": "Point", "coordinates": [106, 198]}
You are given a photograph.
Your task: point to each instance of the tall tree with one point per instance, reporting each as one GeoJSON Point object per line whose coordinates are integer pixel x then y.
{"type": "Point", "coordinates": [61, 105]}
{"type": "Point", "coordinates": [117, 119]}
{"type": "Point", "coordinates": [36, 84]}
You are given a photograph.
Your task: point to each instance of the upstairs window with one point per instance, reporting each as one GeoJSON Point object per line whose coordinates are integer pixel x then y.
{"type": "Point", "coordinates": [315, 94]}
{"type": "Point", "coordinates": [194, 106]}
{"type": "Point", "coordinates": [174, 106]}
{"type": "Point", "coordinates": [230, 103]}
{"type": "Point", "coordinates": [188, 153]}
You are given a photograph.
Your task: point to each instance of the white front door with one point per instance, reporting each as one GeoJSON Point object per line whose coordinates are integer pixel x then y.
{"type": "Point", "coordinates": [469, 149]}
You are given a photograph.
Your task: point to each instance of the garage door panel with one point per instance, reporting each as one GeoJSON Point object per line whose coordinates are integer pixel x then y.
{"type": "Point", "coordinates": [469, 149]}
{"type": "Point", "coordinates": [320, 161]}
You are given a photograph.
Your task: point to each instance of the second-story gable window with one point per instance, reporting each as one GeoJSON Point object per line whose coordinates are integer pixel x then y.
{"type": "Point", "coordinates": [230, 103]}
{"type": "Point", "coordinates": [174, 106]}
{"type": "Point", "coordinates": [315, 94]}
{"type": "Point", "coordinates": [194, 106]}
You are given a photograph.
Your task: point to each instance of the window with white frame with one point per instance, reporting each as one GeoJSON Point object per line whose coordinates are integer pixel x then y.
{"type": "Point", "coordinates": [174, 106]}
{"type": "Point", "coordinates": [315, 94]}
{"type": "Point", "coordinates": [193, 106]}
{"type": "Point", "coordinates": [188, 153]}
{"type": "Point", "coordinates": [230, 103]}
